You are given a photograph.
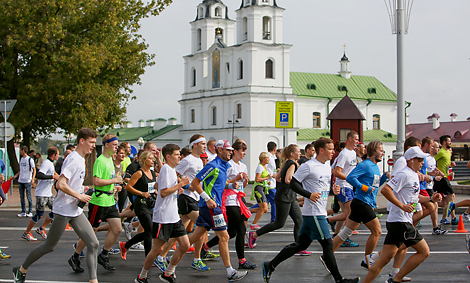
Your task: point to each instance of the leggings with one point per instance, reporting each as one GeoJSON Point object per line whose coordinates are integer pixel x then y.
{"type": "Point", "coordinates": [283, 210]}
{"type": "Point", "coordinates": [82, 228]}
{"type": "Point", "coordinates": [236, 227]}
{"type": "Point", "coordinates": [302, 244]}
{"type": "Point", "coordinates": [146, 236]}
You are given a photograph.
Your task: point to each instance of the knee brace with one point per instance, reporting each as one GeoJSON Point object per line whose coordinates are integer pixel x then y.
{"type": "Point", "coordinates": [345, 233]}
{"type": "Point", "coordinates": [37, 216]}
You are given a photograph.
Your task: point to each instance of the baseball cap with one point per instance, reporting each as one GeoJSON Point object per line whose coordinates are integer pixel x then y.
{"type": "Point", "coordinates": [223, 144]}
{"type": "Point", "coordinates": [204, 155]}
{"type": "Point", "coordinates": [414, 152]}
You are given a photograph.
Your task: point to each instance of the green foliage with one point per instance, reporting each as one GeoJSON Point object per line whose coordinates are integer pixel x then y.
{"type": "Point", "coordinates": [71, 63]}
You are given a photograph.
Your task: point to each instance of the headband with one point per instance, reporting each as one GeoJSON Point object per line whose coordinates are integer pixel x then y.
{"type": "Point", "coordinates": [110, 140]}
{"type": "Point", "coordinates": [198, 141]}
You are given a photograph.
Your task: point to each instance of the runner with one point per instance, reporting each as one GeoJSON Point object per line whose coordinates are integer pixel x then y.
{"type": "Point", "coordinates": [43, 193]}
{"type": "Point", "coordinates": [122, 195]}
{"type": "Point", "coordinates": [312, 181]}
{"type": "Point", "coordinates": [102, 206]}
{"type": "Point", "coordinates": [272, 169]}
{"type": "Point", "coordinates": [210, 150]}
{"type": "Point", "coordinates": [166, 221]}
{"type": "Point", "coordinates": [66, 210]}
{"type": "Point", "coordinates": [260, 189]}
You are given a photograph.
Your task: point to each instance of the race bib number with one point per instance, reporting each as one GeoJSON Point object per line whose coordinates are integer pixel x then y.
{"type": "Point", "coordinates": [219, 220]}
{"type": "Point", "coordinates": [151, 188]}
{"type": "Point", "coordinates": [324, 195]}
{"type": "Point", "coordinates": [113, 174]}
{"type": "Point", "coordinates": [376, 182]}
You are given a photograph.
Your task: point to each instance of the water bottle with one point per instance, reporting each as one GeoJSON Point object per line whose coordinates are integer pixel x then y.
{"type": "Point", "coordinates": [89, 192]}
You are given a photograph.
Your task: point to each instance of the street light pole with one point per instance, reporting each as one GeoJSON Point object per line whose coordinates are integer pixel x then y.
{"type": "Point", "coordinates": [400, 81]}
{"type": "Point", "coordinates": [233, 126]}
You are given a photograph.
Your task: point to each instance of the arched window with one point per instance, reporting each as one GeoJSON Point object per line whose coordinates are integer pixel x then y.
{"type": "Point", "coordinates": [193, 116]}
{"type": "Point", "coordinates": [217, 12]}
{"type": "Point", "coordinates": [240, 69]}
{"type": "Point", "coordinates": [201, 13]}
{"type": "Point", "coordinates": [193, 77]}
{"type": "Point", "coordinates": [376, 122]}
{"type": "Point", "coordinates": [199, 39]}
{"type": "Point", "coordinates": [269, 69]}
{"type": "Point", "coordinates": [239, 111]}
{"type": "Point", "coordinates": [245, 28]}
{"type": "Point", "coordinates": [316, 116]}
{"type": "Point", "coordinates": [266, 28]}
{"type": "Point", "coordinates": [214, 116]}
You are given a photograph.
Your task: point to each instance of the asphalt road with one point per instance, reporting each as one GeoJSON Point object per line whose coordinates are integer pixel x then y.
{"type": "Point", "coordinates": [447, 262]}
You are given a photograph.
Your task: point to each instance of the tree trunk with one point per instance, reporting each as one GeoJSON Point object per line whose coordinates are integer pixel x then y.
{"type": "Point", "coordinates": [15, 166]}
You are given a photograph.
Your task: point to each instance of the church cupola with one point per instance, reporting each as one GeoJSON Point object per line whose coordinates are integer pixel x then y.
{"type": "Point", "coordinates": [211, 19]}
{"type": "Point", "coordinates": [344, 67]}
{"type": "Point", "coordinates": [259, 21]}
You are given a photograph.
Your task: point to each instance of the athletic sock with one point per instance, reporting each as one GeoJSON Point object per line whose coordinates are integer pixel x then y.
{"type": "Point", "coordinates": [241, 260]}
{"type": "Point", "coordinates": [104, 253]}
{"type": "Point", "coordinates": [375, 256]}
{"type": "Point", "coordinates": [230, 271]}
{"type": "Point", "coordinates": [143, 273]}
{"type": "Point", "coordinates": [170, 269]}
{"type": "Point", "coordinates": [205, 247]}
{"type": "Point", "coordinates": [394, 271]}
{"type": "Point", "coordinates": [160, 258]}
{"type": "Point", "coordinates": [196, 259]}
{"type": "Point", "coordinates": [76, 256]}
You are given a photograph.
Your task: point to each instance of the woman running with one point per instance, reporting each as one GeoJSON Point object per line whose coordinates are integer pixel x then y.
{"type": "Point", "coordinates": [260, 188]}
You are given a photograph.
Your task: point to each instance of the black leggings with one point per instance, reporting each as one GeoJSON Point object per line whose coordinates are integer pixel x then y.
{"type": "Point", "coordinates": [302, 244]}
{"type": "Point", "coordinates": [146, 236]}
{"type": "Point", "coordinates": [283, 209]}
{"type": "Point", "coordinates": [235, 227]}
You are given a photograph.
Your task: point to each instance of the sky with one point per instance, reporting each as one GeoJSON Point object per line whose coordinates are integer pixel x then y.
{"type": "Point", "coordinates": [437, 53]}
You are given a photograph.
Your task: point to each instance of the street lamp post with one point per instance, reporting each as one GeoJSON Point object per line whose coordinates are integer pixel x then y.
{"type": "Point", "coordinates": [233, 121]}
{"type": "Point", "coordinates": [141, 142]}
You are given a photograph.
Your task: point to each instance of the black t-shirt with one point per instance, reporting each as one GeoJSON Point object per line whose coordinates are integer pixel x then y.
{"type": "Point", "coordinates": [283, 191]}
{"type": "Point", "coordinates": [303, 159]}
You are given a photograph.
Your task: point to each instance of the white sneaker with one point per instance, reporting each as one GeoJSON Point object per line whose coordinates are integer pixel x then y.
{"type": "Point", "coordinates": [30, 214]}
{"type": "Point", "coordinates": [127, 229]}
{"type": "Point", "coordinates": [405, 279]}
{"type": "Point", "coordinates": [22, 214]}
{"type": "Point", "coordinates": [28, 237]}
{"type": "Point", "coordinates": [466, 217]}
{"type": "Point", "coordinates": [137, 246]}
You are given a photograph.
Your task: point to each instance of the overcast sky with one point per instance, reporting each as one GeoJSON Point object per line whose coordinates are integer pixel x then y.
{"type": "Point", "coordinates": [437, 53]}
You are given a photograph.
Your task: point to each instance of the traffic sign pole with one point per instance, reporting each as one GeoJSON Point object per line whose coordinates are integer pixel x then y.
{"type": "Point", "coordinates": [8, 105]}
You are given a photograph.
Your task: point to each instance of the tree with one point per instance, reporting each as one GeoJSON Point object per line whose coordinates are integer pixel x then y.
{"type": "Point", "coordinates": [71, 63]}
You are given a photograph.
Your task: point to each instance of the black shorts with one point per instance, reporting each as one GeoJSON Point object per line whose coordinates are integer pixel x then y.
{"type": "Point", "coordinates": [260, 196]}
{"type": "Point", "coordinates": [98, 214]}
{"type": "Point", "coordinates": [443, 186]}
{"type": "Point", "coordinates": [166, 231]}
{"type": "Point", "coordinates": [186, 204]}
{"type": "Point", "coordinates": [402, 233]}
{"type": "Point", "coordinates": [361, 212]}
{"type": "Point", "coordinates": [430, 192]}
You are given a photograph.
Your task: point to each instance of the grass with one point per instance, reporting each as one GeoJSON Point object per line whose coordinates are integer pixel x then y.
{"type": "Point", "coordinates": [466, 182]}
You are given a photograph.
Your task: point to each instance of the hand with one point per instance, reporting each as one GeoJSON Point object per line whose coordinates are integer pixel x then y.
{"type": "Point", "coordinates": [451, 175]}
{"type": "Point", "coordinates": [387, 174]}
{"type": "Point", "coordinates": [117, 180]}
{"type": "Point", "coordinates": [245, 176]}
{"type": "Point", "coordinates": [420, 176]}
{"type": "Point", "coordinates": [157, 154]}
{"type": "Point", "coordinates": [427, 178]}
{"type": "Point", "coordinates": [146, 194]}
{"type": "Point", "coordinates": [2, 178]}
{"type": "Point", "coordinates": [436, 197]}
{"type": "Point", "coordinates": [438, 178]}
{"type": "Point", "coordinates": [408, 207]}
{"type": "Point", "coordinates": [184, 181]}
{"type": "Point", "coordinates": [55, 177]}
{"type": "Point", "coordinates": [269, 176]}
{"type": "Point", "coordinates": [453, 164]}
{"type": "Point", "coordinates": [180, 191]}
{"type": "Point", "coordinates": [117, 188]}
{"type": "Point", "coordinates": [211, 204]}
{"type": "Point", "coordinates": [336, 189]}
{"type": "Point", "coordinates": [85, 198]}
{"type": "Point", "coordinates": [235, 186]}
{"type": "Point", "coordinates": [239, 176]}
{"type": "Point", "coordinates": [315, 197]}
{"type": "Point", "coordinates": [269, 183]}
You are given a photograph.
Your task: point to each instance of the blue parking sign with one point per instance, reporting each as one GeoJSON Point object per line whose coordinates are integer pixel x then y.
{"type": "Point", "coordinates": [284, 119]}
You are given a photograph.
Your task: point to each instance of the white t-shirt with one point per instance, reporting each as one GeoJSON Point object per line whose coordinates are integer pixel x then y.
{"type": "Point", "coordinates": [315, 178]}
{"type": "Point", "coordinates": [232, 172]}
{"type": "Point", "coordinates": [346, 160]}
{"type": "Point", "coordinates": [166, 209]}
{"type": "Point", "coordinates": [44, 186]}
{"type": "Point", "coordinates": [399, 165]}
{"type": "Point", "coordinates": [405, 185]}
{"type": "Point", "coordinates": [271, 166]}
{"type": "Point", "coordinates": [26, 170]}
{"type": "Point", "coordinates": [189, 167]}
{"type": "Point", "coordinates": [431, 167]}
{"type": "Point", "coordinates": [210, 155]}
{"type": "Point", "coordinates": [74, 170]}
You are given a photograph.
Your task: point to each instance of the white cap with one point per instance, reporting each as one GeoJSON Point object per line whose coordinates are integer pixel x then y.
{"type": "Point", "coordinates": [225, 144]}
{"type": "Point", "coordinates": [414, 152]}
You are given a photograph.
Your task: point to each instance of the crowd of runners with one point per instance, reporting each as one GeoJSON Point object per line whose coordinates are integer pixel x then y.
{"type": "Point", "coordinates": [174, 196]}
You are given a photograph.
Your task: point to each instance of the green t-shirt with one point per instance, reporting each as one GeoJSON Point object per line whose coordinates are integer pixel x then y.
{"type": "Point", "coordinates": [443, 160]}
{"type": "Point", "coordinates": [125, 163]}
{"type": "Point", "coordinates": [103, 169]}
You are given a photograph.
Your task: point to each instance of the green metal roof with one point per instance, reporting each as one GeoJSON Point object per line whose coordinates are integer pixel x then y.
{"type": "Point", "coordinates": [147, 133]}
{"type": "Point", "coordinates": [329, 86]}
{"type": "Point", "coordinates": [368, 136]}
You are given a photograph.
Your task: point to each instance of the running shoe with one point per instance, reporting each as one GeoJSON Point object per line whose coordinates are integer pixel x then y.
{"type": "Point", "coordinates": [390, 280]}
{"type": "Point", "coordinates": [4, 256]}
{"type": "Point", "coordinates": [349, 243]}
{"type": "Point", "coordinates": [22, 214]}
{"type": "Point", "coordinates": [122, 245]}
{"type": "Point", "coordinates": [190, 250]}
{"type": "Point", "coordinates": [208, 255]}
{"type": "Point", "coordinates": [303, 253]}
{"type": "Point", "coordinates": [254, 227]}
{"type": "Point", "coordinates": [82, 254]}
{"type": "Point", "coordinates": [200, 266]}
{"type": "Point", "coordinates": [247, 265]}
{"type": "Point", "coordinates": [29, 237]}
{"type": "Point", "coordinates": [450, 208]}
{"type": "Point", "coordinates": [127, 227]}
{"type": "Point", "coordinates": [247, 245]}
{"type": "Point", "coordinates": [251, 240]}
{"type": "Point", "coordinates": [445, 221]}
{"type": "Point", "coordinates": [114, 251]}
{"type": "Point", "coordinates": [455, 221]}
{"type": "Point", "coordinates": [29, 214]}
{"type": "Point", "coordinates": [438, 231]}
{"type": "Point", "coordinates": [137, 246]}
{"type": "Point", "coordinates": [104, 262]}
{"type": "Point", "coordinates": [75, 264]}
{"type": "Point", "coordinates": [168, 279]}
{"type": "Point", "coordinates": [141, 280]}
{"type": "Point", "coordinates": [267, 271]}
{"type": "Point", "coordinates": [324, 264]}
{"type": "Point", "coordinates": [466, 217]}
{"type": "Point", "coordinates": [405, 278]}
{"type": "Point", "coordinates": [42, 233]}
{"type": "Point", "coordinates": [18, 277]}
{"type": "Point", "coordinates": [161, 264]}
{"type": "Point", "coordinates": [467, 240]}
{"type": "Point", "coordinates": [367, 262]}
{"type": "Point", "coordinates": [236, 275]}
{"type": "Point", "coordinates": [419, 224]}
{"type": "Point", "coordinates": [355, 232]}
{"type": "Point", "coordinates": [350, 280]}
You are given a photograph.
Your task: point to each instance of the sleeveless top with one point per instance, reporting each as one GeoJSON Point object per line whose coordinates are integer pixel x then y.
{"type": "Point", "coordinates": [284, 193]}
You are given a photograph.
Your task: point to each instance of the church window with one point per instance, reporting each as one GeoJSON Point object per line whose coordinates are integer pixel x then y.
{"type": "Point", "coordinates": [266, 28]}
{"type": "Point", "coordinates": [201, 13]}
{"type": "Point", "coordinates": [269, 69]}
{"type": "Point", "coordinates": [193, 77]}
{"type": "Point", "coordinates": [217, 12]}
{"type": "Point", "coordinates": [376, 122]}
{"type": "Point", "coordinates": [245, 28]}
{"type": "Point", "coordinates": [316, 119]}
{"type": "Point", "coordinates": [216, 68]}
{"type": "Point", "coordinates": [240, 69]}
{"type": "Point", "coordinates": [199, 39]}
{"type": "Point", "coordinates": [193, 116]}
{"type": "Point", "coordinates": [239, 111]}
{"type": "Point", "coordinates": [214, 116]}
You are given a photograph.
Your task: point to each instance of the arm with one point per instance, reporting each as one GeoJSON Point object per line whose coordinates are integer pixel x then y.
{"type": "Point", "coordinates": [296, 186]}
{"type": "Point", "coordinates": [168, 191]}
{"type": "Point", "coordinates": [98, 182]}
{"type": "Point", "coordinates": [290, 172]}
{"type": "Point", "coordinates": [130, 186]}
{"type": "Point", "coordinates": [259, 179]}
{"type": "Point", "coordinates": [159, 162]}
{"type": "Point", "coordinates": [390, 196]}
{"type": "Point", "coordinates": [34, 175]}
{"type": "Point", "coordinates": [338, 171]}
{"type": "Point", "coordinates": [42, 176]}
{"type": "Point", "coordinates": [196, 184]}
{"type": "Point", "coordinates": [353, 179]}
{"type": "Point", "coordinates": [64, 187]}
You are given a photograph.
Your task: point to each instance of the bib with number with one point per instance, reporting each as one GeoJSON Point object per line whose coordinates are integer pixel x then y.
{"type": "Point", "coordinates": [151, 188]}
{"type": "Point", "coordinates": [219, 220]}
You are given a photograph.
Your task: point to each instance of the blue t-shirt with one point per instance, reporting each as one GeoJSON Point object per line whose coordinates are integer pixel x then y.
{"type": "Point", "coordinates": [422, 184]}
{"type": "Point", "coordinates": [213, 178]}
{"type": "Point", "coordinates": [2, 167]}
{"type": "Point", "coordinates": [366, 173]}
